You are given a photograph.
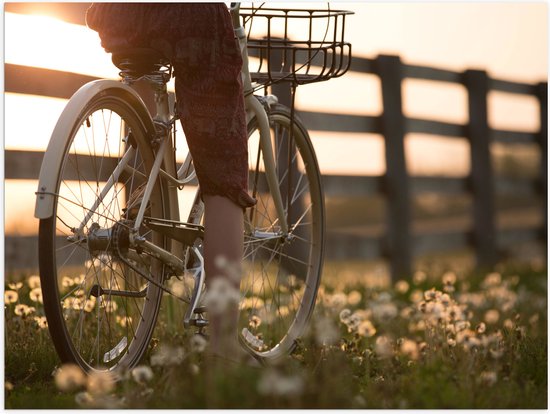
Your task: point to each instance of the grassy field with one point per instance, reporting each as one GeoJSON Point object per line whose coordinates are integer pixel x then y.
{"type": "Point", "coordinates": [439, 340]}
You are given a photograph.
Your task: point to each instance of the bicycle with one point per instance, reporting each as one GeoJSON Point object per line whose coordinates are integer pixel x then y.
{"type": "Point", "coordinates": [110, 235]}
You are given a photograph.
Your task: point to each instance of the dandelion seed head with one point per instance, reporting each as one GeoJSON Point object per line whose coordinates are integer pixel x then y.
{"type": "Point", "coordinates": [508, 324]}
{"type": "Point", "coordinates": [488, 378]}
{"type": "Point", "coordinates": [33, 281]}
{"type": "Point", "coordinates": [84, 399]}
{"type": "Point", "coordinates": [402, 287]}
{"type": "Point", "coordinates": [166, 355]}
{"type": "Point", "coordinates": [492, 279]}
{"type": "Point", "coordinates": [100, 383]}
{"type": "Point", "coordinates": [221, 294]}
{"type": "Point", "coordinates": [533, 320]}
{"type": "Point", "coordinates": [90, 303]}
{"type": "Point", "coordinates": [326, 332]}
{"type": "Point", "coordinates": [409, 348]}
{"type": "Point", "coordinates": [337, 301]}
{"type": "Point", "coordinates": [451, 342]}
{"type": "Point", "coordinates": [194, 369]}
{"type": "Point", "coordinates": [69, 377]}
{"type": "Point", "coordinates": [383, 347]}
{"type": "Point", "coordinates": [10, 296]}
{"type": "Point", "coordinates": [198, 343]}
{"type": "Point", "coordinates": [354, 298]}
{"type": "Point", "coordinates": [275, 384]}
{"type": "Point", "coordinates": [416, 296]}
{"type": "Point", "coordinates": [345, 315]}
{"type": "Point", "coordinates": [384, 312]}
{"type": "Point", "coordinates": [142, 374]}
{"type": "Point", "coordinates": [419, 277]}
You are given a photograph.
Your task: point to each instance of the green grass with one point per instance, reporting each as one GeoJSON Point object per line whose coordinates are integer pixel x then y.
{"type": "Point", "coordinates": [501, 364]}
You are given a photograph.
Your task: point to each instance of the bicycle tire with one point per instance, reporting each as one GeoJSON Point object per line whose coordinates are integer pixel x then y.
{"type": "Point", "coordinates": [281, 276]}
{"type": "Point", "coordinates": [91, 323]}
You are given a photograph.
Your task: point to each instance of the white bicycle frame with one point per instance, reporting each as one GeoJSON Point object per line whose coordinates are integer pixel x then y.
{"type": "Point", "coordinates": [164, 162]}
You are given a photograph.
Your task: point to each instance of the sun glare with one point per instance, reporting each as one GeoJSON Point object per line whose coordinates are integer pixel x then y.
{"type": "Point", "coordinates": [47, 42]}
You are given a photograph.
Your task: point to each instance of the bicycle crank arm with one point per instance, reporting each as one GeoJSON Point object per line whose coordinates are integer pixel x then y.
{"type": "Point", "coordinates": [98, 291]}
{"type": "Point", "coordinates": [185, 233]}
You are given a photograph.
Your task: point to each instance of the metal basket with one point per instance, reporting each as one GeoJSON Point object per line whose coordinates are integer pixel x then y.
{"type": "Point", "coordinates": [296, 45]}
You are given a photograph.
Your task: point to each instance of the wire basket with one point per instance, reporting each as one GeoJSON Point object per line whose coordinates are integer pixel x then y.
{"type": "Point", "coordinates": [296, 45]}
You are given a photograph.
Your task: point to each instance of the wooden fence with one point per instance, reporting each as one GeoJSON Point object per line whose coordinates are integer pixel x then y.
{"type": "Point", "coordinates": [398, 243]}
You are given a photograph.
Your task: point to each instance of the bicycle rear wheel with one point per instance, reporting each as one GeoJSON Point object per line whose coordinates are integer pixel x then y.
{"type": "Point", "coordinates": [281, 271]}
{"type": "Point", "coordinates": [101, 311]}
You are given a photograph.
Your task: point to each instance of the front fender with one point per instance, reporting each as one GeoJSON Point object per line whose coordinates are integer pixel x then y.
{"type": "Point", "coordinates": [65, 128]}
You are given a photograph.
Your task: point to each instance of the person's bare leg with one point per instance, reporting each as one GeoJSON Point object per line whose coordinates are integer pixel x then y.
{"type": "Point", "coordinates": [223, 238]}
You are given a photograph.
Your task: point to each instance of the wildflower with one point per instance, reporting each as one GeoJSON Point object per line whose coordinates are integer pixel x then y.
{"type": "Point", "coordinates": [383, 347]}
{"type": "Point", "coordinates": [416, 296]}
{"type": "Point", "coordinates": [419, 277]}
{"type": "Point", "coordinates": [194, 368]}
{"type": "Point", "coordinates": [432, 294]}
{"type": "Point", "coordinates": [255, 321]}
{"type": "Point", "coordinates": [533, 320]}
{"type": "Point", "coordinates": [36, 295]}
{"type": "Point", "coordinates": [409, 348]}
{"type": "Point", "coordinates": [423, 347]}
{"type": "Point", "coordinates": [520, 332]}
{"type": "Point", "coordinates": [142, 374]}
{"type": "Point", "coordinates": [41, 322]}
{"type": "Point", "coordinates": [220, 295]}
{"type": "Point", "coordinates": [276, 384]}
{"type": "Point", "coordinates": [123, 321]}
{"type": "Point", "coordinates": [492, 279]}
{"type": "Point", "coordinates": [109, 305]}
{"type": "Point", "coordinates": [77, 280]}
{"type": "Point", "coordinates": [33, 281]}
{"type": "Point", "coordinates": [90, 304]}
{"type": "Point", "coordinates": [366, 329]}
{"type": "Point", "coordinates": [69, 378]}
{"type": "Point", "coordinates": [10, 296]}
{"type": "Point", "coordinates": [451, 342]}
{"type": "Point", "coordinates": [354, 297]}
{"type": "Point", "coordinates": [461, 325]}
{"type": "Point", "coordinates": [401, 287]}
{"type": "Point", "coordinates": [100, 383]}
{"type": "Point", "coordinates": [23, 310]}
{"type": "Point", "coordinates": [67, 281]}
{"type": "Point", "coordinates": [496, 353]}
{"type": "Point", "coordinates": [508, 324]}
{"type": "Point", "coordinates": [449, 278]}
{"type": "Point", "coordinates": [481, 328]}
{"type": "Point", "coordinates": [491, 316]}
{"type": "Point", "coordinates": [15, 286]}
{"type": "Point", "coordinates": [488, 378]}
{"type": "Point", "coordinates": [167, 355]}
{"type": "Point", "coordinates": [198, 343]}
{"type": "Point", "coordinates": [8, 386]}
{"type": "Point", "coordinates": [406, 312]}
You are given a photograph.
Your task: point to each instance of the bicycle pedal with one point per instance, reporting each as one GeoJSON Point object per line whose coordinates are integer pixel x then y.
{"type": "Point", "coordinates": [199, 309]}
{"type": "Point", "coordinates": [199, 323]}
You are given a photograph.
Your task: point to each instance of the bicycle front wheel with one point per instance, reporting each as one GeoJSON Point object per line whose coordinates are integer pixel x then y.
{"type": "Point", "coordinates": [281, 270]}
{"type": "Point", "coordinates": [100, 308]}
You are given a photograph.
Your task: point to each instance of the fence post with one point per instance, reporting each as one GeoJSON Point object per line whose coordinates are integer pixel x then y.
{"type": "Point", "coordinates": [542, 138]}
{"type": "Point", "coordinates": [398, 218]}
{"type": "Point", "coordinates": [481, 173]}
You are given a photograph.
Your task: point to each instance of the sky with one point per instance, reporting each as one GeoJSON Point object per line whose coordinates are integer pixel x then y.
{"type": "Point", "coordinates": [508, 39]}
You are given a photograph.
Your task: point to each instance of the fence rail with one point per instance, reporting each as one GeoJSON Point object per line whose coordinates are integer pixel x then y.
{"type": "Point", "coordinates": [401, 239]}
